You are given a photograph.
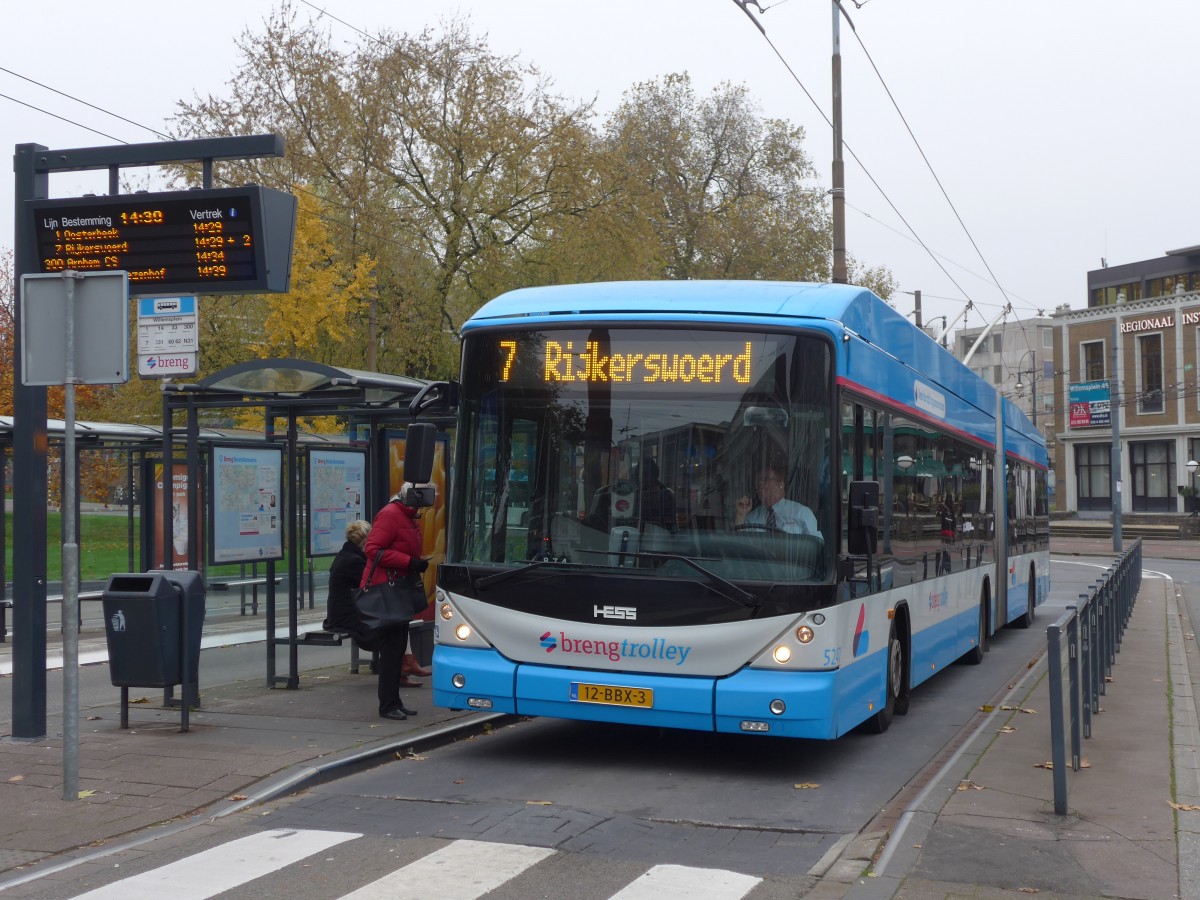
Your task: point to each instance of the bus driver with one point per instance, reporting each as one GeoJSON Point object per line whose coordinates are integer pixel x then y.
{"type": "Point", "coordinates": [776, 512]}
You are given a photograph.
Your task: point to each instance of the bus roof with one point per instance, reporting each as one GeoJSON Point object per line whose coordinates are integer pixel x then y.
{"type": "Point", "coordinates": [707, 298]}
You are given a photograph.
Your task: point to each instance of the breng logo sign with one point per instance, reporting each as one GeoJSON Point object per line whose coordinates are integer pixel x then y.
{"type": "Point", "coordinates": [615, 651]}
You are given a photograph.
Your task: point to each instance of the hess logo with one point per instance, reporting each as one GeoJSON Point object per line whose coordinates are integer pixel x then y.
{"type": "Point", "coordinates": [614, 612]}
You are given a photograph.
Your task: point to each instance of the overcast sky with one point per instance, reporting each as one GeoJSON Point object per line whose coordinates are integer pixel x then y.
{"type": "Point", "coordinates": [1060, 131]}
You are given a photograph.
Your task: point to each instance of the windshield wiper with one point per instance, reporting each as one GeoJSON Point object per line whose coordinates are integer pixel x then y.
{"type": "Point", "coordinates": [731, 592]}
{"type": "Point", "coordinates": [489, 580]}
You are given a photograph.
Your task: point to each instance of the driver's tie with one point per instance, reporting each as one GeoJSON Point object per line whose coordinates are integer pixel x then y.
{"type": "Point", "coordinates": [771, 521]}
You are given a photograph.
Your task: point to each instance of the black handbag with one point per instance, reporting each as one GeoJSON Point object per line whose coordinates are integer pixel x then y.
{"type": "Point", "coordinates": [396, 601]}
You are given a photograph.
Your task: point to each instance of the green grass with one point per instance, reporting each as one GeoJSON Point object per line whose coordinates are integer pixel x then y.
{"type": "Point", "coordinates": [103, 548]}
{"type": "Point", "coordinates": [103, 545]}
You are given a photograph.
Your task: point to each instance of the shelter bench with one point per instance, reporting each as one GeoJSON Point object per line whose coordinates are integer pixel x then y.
{"type": "Point", "coordinates": [6, 605]}
{"type": "Point", "coordinates": [254, 582]}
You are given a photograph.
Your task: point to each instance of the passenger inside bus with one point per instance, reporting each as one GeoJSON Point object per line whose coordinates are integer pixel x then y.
{"type": "Point", "coordinates": [641, 499]}
{"type": "Point", "coordinates": [774, 512]}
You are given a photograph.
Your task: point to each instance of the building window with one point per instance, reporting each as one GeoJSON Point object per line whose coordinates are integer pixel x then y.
{"type": "Point", "coordinates": [1180, 283]}
{"type": "Point", "coordinates": [1047, 338]}
{"type": "Point", "coordinates": [1152, 467]}
{"type": "Point", "coordinates": [997, 374]}
{"type": "Point", "coordinates": [1093, 360]}
{"type": "Point", "coordinates": [997, 342]}
{"type": "Point", "coordinates": [1093, 475]}
{"type": "Point", "coordinates": [1150, 373]}
{"type": "Point", "coordinates": [1119, 293]}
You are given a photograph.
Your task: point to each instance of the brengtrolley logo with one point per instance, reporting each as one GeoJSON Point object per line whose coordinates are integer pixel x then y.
{"type": "Point", "coordinates": [615, 651]}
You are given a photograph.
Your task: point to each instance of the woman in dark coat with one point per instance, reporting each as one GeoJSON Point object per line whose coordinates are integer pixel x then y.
{"type": "Point", "coordinates": [346, 574]}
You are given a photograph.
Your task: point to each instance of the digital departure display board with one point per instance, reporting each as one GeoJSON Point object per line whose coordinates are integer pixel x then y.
{"type": "Point", "coordinates": [218, 241]}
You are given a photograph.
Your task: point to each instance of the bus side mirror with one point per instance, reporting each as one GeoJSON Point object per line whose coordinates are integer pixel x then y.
{"type": "Point", "coordinates": [418, 452]}
{"type": "Point", "coordinates": [863, 528]}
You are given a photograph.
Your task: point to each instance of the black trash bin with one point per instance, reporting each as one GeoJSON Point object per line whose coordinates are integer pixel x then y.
{"type": "Point", "coordinates": [142, 617]}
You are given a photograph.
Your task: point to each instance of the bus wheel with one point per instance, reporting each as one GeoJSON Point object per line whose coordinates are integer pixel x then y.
{"type": "Point", "coordinates": [1027, 619]}
{"type": "Point", "coordinates": [879, 722]}
{"type": "Point", "coordinates": [974, 656]}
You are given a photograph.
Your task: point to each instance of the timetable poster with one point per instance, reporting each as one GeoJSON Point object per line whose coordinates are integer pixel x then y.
{"type": "Point", "coordinates": [247, 520]}
{"type": "Point", "coordinates": [336, 480]}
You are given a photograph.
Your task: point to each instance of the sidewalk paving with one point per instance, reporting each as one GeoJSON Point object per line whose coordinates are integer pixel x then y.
{"type": "Point", "coordinates": [996, 837]}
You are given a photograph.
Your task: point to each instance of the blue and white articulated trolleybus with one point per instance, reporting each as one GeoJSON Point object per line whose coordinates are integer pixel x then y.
{"type": "Point", "coordinates": [760, 507]}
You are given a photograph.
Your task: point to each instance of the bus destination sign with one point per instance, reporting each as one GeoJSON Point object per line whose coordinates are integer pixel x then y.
{"type": "Point", "coordinates": [220, 241]}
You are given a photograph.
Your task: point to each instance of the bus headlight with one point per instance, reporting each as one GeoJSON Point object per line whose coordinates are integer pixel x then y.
{"type": "Point", "coordinates": [782, 654]}
{"type": "Point", "coordinates": [804, 634]}
{"type": "Point", "coordinates": [463, 631]}
{"type": "Point", "coordinates": [446, 611]}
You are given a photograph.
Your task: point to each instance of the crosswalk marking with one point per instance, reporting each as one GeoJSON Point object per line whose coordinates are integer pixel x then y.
{"type": "Point", "coordinates": [222, 868]}
{"type": "Point", "coordinates": [684, 881]}
{"type": "Point", "coordinates": [463, 870]}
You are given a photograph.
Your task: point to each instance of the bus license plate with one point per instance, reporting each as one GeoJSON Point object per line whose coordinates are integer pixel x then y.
{"type": "Point", "coordinates": [612, 695]}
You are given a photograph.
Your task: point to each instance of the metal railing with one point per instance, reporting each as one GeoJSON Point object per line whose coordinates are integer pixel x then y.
{"type": "Point", "coordinates": [1081, 648]}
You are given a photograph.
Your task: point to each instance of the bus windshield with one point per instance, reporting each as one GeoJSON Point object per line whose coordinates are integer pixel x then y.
{"type": "Point", "coordinates": [682, 453]}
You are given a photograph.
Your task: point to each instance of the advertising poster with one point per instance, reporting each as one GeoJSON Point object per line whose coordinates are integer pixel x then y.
{"type": "Point", "coordinates": [247, 520]}
{"type": "Point", "coordinates": [336, 481]}
{"type": "Point", "coordinates": [179, 517]}
{"type": "Point", "coordinates": [433, 520]}
{"type": "Point", "coordinates": [1089, 403]}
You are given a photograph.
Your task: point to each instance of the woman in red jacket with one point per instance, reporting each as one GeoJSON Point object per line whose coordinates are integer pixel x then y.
{"type": "Point", "coordinates": [395, 532]}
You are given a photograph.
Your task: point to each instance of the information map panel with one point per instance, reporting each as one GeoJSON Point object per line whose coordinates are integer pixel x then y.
{"type": "Point", "coordinates": [228, 240]}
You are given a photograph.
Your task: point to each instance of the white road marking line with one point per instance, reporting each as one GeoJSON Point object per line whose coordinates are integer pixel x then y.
{"type": "Point", "coordinates": [222, 868]}
{"type": "Point", "coordinates": [686, 881]}
{"type": "Point", "coordinates": [463, 870]}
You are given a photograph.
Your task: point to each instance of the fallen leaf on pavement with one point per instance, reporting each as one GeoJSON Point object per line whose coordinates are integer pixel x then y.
{"type": "Point", "coordinates": [806, 786]}
{"type": "Point", "coordinates": [238, 797]}
{"type": "Point", "coordinates": [1083, 763]}
{"type": "Point", "coordinates": [1007, 729]}
{"type": "Point", "coordinates": [1044, 765]}
{"type": "Point", "coordinates": [94, 718]}
{"type": "Point", "coordinates": [17, 778]}
{"type": "Point", "coordinates": [83, 794]}
{"type": "Point", "coordinates": [968, 785]}
{"type": "Point", "coordinates": [1028, 890]}
{"type": "Point", "coordinates": [459, 780]}
{"type": "Point", "coordinates": [539, 802]}
{"type": "Point", "coordinates": [1185, 807]}
{"type": "Point", "coordinates": [987, 708]}
{"type": "Point", "coordinates": [141, 700]}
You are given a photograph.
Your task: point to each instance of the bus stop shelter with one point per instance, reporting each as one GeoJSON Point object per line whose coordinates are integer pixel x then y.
{"type": "Point", "coordinates": [372, 408]}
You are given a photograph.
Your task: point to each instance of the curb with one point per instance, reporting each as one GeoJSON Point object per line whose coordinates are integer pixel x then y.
{"type": "Point", "coordinates": [291, 780]}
